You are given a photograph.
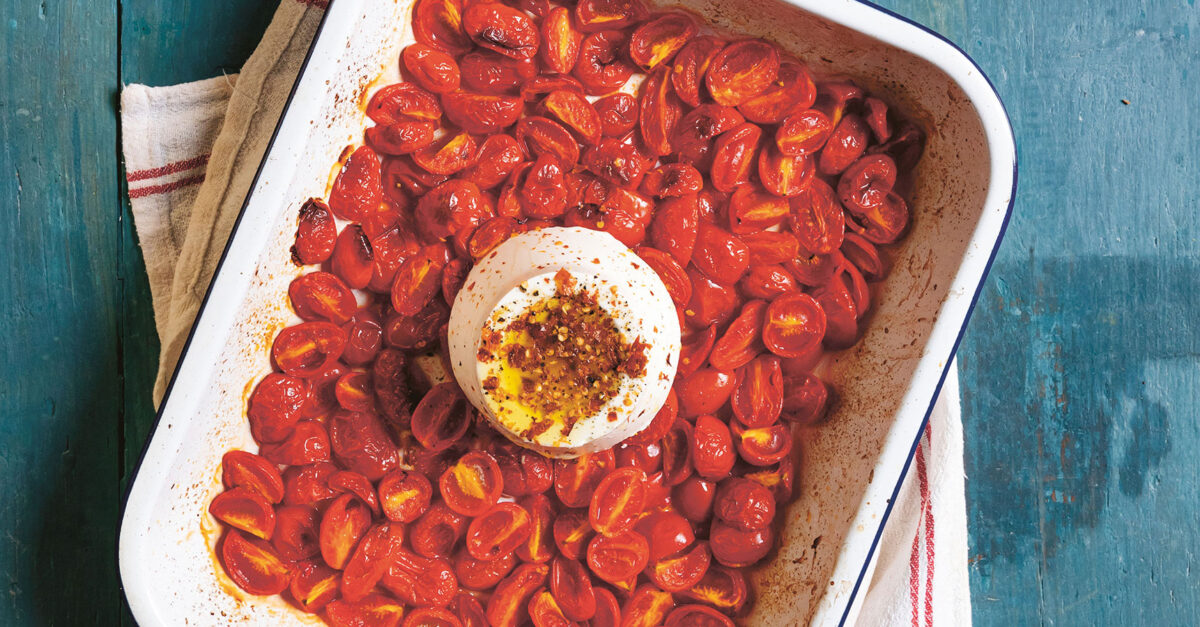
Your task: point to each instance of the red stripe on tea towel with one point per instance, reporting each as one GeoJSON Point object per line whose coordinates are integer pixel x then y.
{"type": "Point", "coordinates": [151, 190]}
{"type": "Point", "coordinates": [928, 532]}
{"type": "Point", "coordinates": [170, 168]}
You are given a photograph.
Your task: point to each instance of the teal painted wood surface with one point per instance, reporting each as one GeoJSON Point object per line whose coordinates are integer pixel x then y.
{"type": "Point", "coordinates": [1079, 368]}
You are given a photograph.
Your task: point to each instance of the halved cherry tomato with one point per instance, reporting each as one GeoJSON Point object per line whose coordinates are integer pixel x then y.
{"type": "Point", "coordinates": [758, 393]}
{"type": "Point", "coordinates": [679, 573]}
{"type": "Point", "coordinates": [431, 617]}
{"type": "Point", "coordinates": [308, 443]}
{"type": "Point", "coordinates": [482, 114]}
{"type": "Point", "coordinates": [704, 392]}
{"type": "Point", "coordinates": [524, 472]}
{"type": "Point", "coordinates": [657, 41]}
{"type": "Point", "coordinates": [666, 532]}
{"type": "Point", "coordinates": [767, 282]}
{"type": "Point", "coordinates": [694, 498]}
{"type": "Point", "coordinates": [617, 558]}
{"type": "Point", "coordinates": [803, 132]}
{"type": "Point", "coordinates": [712, 448]}
{"type": "Point", "coordinates": [814, 270]}
{"type": "Point", "coordinates": [353, 391]}
{"type": "Point", "coordinates": [677, 453]}
{"type": "Point", "coordinates": [817, 219]}
{"type": "Point", "coordinates": [482, 574]}
{"type": "Point", "coordinates": [473, 485]}
{"type": "Point", "coordinates": [501, 28]}
{"type": "Point", "coordinates": [594, 15]}
{"type": "Point", "coordinates": [353, 258]}
{"type": "Point", "coordinates": [420, 581]}
{"type": "Point", "coordinates": [601, 67]}
{"type": "Point", "coordinates": [733, 156]}
{"type": "Point", "coordinates": [883, 223]}
{"type": "Point", "coordinates": [763, 446]}
{"type": "Point", "coordinates": [673, 228]}
{"type": "Point", "coordinates": [740, 343]}
{"type": "Point", "coordinates": [431, 68]}
{"type": "Point", "coordinates": [570, 107]}
{"type": "Point", "coordinates": [712, 303]}
{"type": "Point", "coordinates": [275, 407]}
{"type": "Point", "coordinates": [364, 337]}
{"type": "Point", "coordinates": [489, 72]}
{"type": "Point", "coordinates": [608, 611]}
{"type": "Point", "coordinates": [752, 209]}
{"type": "Point", "coordinates": [694, 351]}
{"type": "Point", "coordinates": [358, 185]}
{"type": "Point", "coordinates": [322, 396]}
{"type": "Point", "coordinates": [377, 610]}
{"type": "Point", "coordinates": [309, 348]}
{"type": "Point", "coordinates": [616, 162]}
{"type": "Point", "coordinates": [841, 314]}
{"type": "Point", "coordinates": [307, 485]}
{"type": "Point", "coordinates": [618, 501]}
{"type": "Point", "coordinates": [735, 547]}
{"type": "Point", "coordinates": [404, 496]}
{"type": "Point", "coordinates": [658, 427]}
{"type": "Point", "coordinates": [794, 323]}
{"type": "Point", "coordinates": [784, 175]}
{"type": "Point", "coordinates": [316, 233]}
{"type": "Point", "coordinates": [507, 604]}
{"type": "Point", "coordinates": [647, 457]}
{"type": "Point", "coordinates": [314, 585]}
{"type": "Point", "coordinates": [253, 565]}
{"type": "Point", "coordinates": [438, 23]}
{"type": "Point", "coordinates": [560, 41]}
{"type": "Point", "coordinates": [722, 588]}
{"type": "Point", "coordinates": [442, 417]}
{"type": "Point", "coordinates": [694, 135]}
{"type": "Point", "coordinates": [779, 479]}
{"type": "Point", "coordinates": [538, 547]}
{"type": "Point", "coordinates": [741, 71]}
{"type": "Point", "coordinates": [618, 114]}
{"type": "Point", "coordinates": [648, 606]}
{"type": "Point", "coordinates": [845, 145]}
{"type": "Point", "coordinates": [418, 279]}
{"type": "Point", "coordinates": [864, 255]}
{"type": "Point", "coordinates": [545, 612]}
{"type": "Point", "coordinates": [498, 156]}
{"type": "Point", "coordinates": [572, 531]}
{"type": "Point", "coordinates": [247, 470]}
{"type": "Point", "coordinates": [691, 65]}
{"type": "Point", "coordinates": [576, 479]}
{"type": "Point", "coordinates": [244, 509]}
{"type": "Point", "coordinates": [498, 531]}
{"type": "Point", "coordinates": [720, 255]}
{"type": "Point", "coordinates": [454, 276]}
{"type": "Point", "coordinates": [805, 399]}
{"type": "Point", "coordinates": [418, 331]}
{"type": "Point", "coordinates": [572, 589]}
{"type": "Point", "coordinates": [469, 611]}
{"type": "Point", "coordinates": [793, 89]}
{"type": "Point", "coordinates": [371, 560]}
{"type": "Point", "coordinates": [360, 443]}
{"type": "Point", "coordinates": [345, 481]}
{"type": "Point", "coordinates": [437, 531]}
{"type": "Point", "coordinates": [401, 138]}
{"type": "Point", "coordinates": [342, 525]}
{"type": "Point", "coordinates": [744, 504]}
{"type": "Point", "coordinates": [697, 616]}
{"type": "Point", "coordinates": [679, 286]}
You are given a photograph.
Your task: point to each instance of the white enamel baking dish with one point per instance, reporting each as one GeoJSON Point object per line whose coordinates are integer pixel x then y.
{"type": "Point", "coordinates": [851, 468]}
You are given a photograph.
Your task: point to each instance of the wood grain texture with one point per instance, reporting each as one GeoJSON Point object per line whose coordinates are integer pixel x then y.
{"type": "Point", "coordinates": [1079, 367]}
{"type": "Point", "coordinates": [61, 391]}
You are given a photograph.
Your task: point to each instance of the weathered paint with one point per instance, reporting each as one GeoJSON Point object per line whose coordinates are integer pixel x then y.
{"type": "Point", "coordinates": [1079, 368]}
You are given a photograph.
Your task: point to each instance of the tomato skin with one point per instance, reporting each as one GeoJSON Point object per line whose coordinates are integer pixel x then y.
{"type": "Point", "coordinates": [473, 485]}
{"type": "Point", "coordinates": [468, 610]}
{"type": "Point", "coordinates": [370, 560]}
{"type": "Point", "coordinates": [253, 565]}
{"type": "Point", "coordinates": [667, 533]}
{"type": "Point", "coordinates": [675, 226]}
{"type": "Point", "coordinates": [404, 496]}
{"type": "Point", "coordinates": [482, 574]}
{"type": "Point", "coordinates": [805, 400]}
{"type": "Point", "coordinates": [507, 605]}
{"type": "Point", "coordinates": [275, 407]}
{"type": "Point", "coordinates": [697, 616]}
{"type": "Point", "coordinates": [307, 484]}
{"type": "Point", "coordinates": [575, 480]}
{"type": "Point", "coordinates": [501, 28]}
{"type": "Point", "coordinates": [361, 444]}
{"type": "Point", "coordinates": [498, 531]}
{"type": "Point", "coordinates": [618, 114]}
{"type": "Point", "coordinates": [316, 233]}
{"type": "Point", "coordinates": [735, 548]}
{"type": "Point", "coordinates": [744, 504]}
{"type": "Point", "coordinates": [704, 392]}
{"type": "Point", "coordinates": [524, 472]}
{"type": "Point", "coordinates": [420, 581]}
{"type": "Point", "coordinates": [711, 304]}
{"type": "Point", "coordinates": [358, 185]}
{"type": "Point", "coordinates": [308, 443]}
{"type": "Point", "coordinates": [646, 457]}
{"type": "Point", "coordinates": [758, 394]}
{"type": "Point", "coordinates": [431, 617]}
{"type": "Point", "coordinates": [618, 558]}
{"type": "Point", "coordinates": [618, 501]}
{"type": "Point", "coordinates": [712, 448]}
{"type": "Point", "coordinates": [572, 589]}
{"type": "Point", "coordinates": [437, 531]}
{"type": "Point", "coordinates": [694, 498]}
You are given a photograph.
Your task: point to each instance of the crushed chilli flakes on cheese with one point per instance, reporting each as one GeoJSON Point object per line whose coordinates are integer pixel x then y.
{"type": "Point", "coordinates": [561, 360]}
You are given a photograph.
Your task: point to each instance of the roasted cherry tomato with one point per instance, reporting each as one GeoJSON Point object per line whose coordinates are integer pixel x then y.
{"type": "Point", "coordinates": [309, 348]}
{"type": "Point", "coordinates": [722, 588]}
{"type": "Point", "coordinates": [594, 15]}
{"type": "Point", "coordinates": [247, 470]}
{"type": "Point", "coordinates": [437, 531]}
{"type": "Point", "coordinates": [308, 443]}
{"type": "Point", "coordinates": [691, 66]}
{"type": "Point", "coordinates": [805, 399]}
{"type": "Point", "coordinates": [575, 480]}
{"type": "Point", "coordinates": [420, 581]}
{"type": "Point", "coordinates": [758, 392]}
{"type": "Point", "coordinates": [704, 392]}
{"type": "Point", "coordinates": [342, 526]}
{"type": "Point", "coordinates": [767, 282]}
{"type": "Point", "coordinates": [371, 560]}
{"type": "Point", "coordinates": [618, 501]}
{"type": "Point", "coordinates": [482, 114]}
{"type": "Point", "coordinates": [741, 71]}
{"type": "Point", "coordinates": [525, 472]}
{"type": "Point", "coordinates": [697, 616]}
{"type": "Point", "coordinates": [431, 617]}
{"type": "Point", "coordinates": [498, 531]}
{"type": "Point", "coordinates": [694, 498]}
{"type": "Point", "coordinates": [316, 233]}
{"type": "Point", "coordinates": [244, 509]}
{"type": "Point", "coordinates": [275, 407]}
{"type": "Point", "coordinates": [681, 572]}
{"type": "Point", "coordinates": [794, 323]}
{"type": "Point", "coordinates": [378, 610]}
{"type": "Point", "coordinates": [307, 485]}
{"type": "Point", "coordinates": [657, 41]}
{"type": "Point", "coordinates": [358, 185]}
{"type": "Point", "coordinates": [361, 443]}
{"type": "Point", "coordinates": [675, 225]}
{"type": "Point", "coordinates": [438, 23]}
{"type": "Point", "coordinates": [617, 558]}
{"type": "Point", "coordinates": [677, 453]}
{"type": "Point", "coordinates": [482, 574]}
{"type": "Point", "coordinates": [572, 589]}
{"type": "Point", "coordinates": [763, 446]}
{"type": "Point", "coordinates": [560, 41]}
{"type": "Point", "coordinates": [648, 606]}
{"type": "Point", "coordinates": [345, 481]}
{"type": "Point", "coordinates": [508, 602]}
{"type": "Point", "coordinates": [473, 485]}
{"type": "Point", "coordinates": [253, 565]}
{"type": "Point", "coordinates": [744, 504]}
{"type": "Point", "coordinates": [572, 531]}
{"type": "Point", "coordinates": [404, 496]}
{"type": "Point", "coordinates": [314, 585]}
{"type": "Point", "coordinates": [442, 417]}
{"type": "Point", "coordinates": [735, 547]}
{"type": "Point", "coordinates": [712, 448]}
{"type": "Point", "coordinates": [740, 343]}
{"type": "Point", "coordinates": [667, 533]}
{"type": "Point", "coordinates": [501, 28]}
{"type": "Point", "coordinates": [601, 67]}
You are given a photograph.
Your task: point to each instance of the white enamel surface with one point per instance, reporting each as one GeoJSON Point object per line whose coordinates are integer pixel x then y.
{"type": "Point", "coordinates": [519, 273]}
{"type": "Point", "coordinates": [850, 465]}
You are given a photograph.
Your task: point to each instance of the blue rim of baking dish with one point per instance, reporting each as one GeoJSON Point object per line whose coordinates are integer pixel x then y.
{"type": "Point", "coordinates": [916, 442]}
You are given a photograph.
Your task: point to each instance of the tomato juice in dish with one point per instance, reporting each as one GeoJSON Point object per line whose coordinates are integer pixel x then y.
{"type": "Point", "coordinates": [746, 199]}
